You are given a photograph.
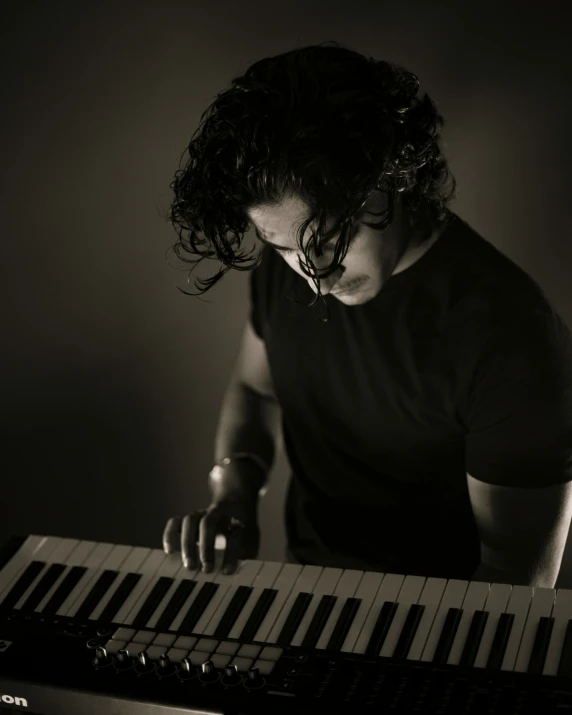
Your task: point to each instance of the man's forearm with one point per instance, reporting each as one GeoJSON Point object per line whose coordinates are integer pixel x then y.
{"type": "Point", "coordinates": [523, 578]}
{"type": "Point", "coordinates": [248, 422]}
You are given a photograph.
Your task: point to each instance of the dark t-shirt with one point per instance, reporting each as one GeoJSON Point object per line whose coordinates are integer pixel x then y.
{"type": "Point", "coordinates": [460, 364]}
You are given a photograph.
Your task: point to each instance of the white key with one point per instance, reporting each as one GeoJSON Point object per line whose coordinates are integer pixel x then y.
{"type": "Point", "coordinates": [430, 598]}
{"type": "Point", "coordinates": [183, 574]}
{"type": "Point", "coordinates": [265, 578]}
{"type": "Point", "coordinates": [366, 592]}
{"type": "Point", "coordinates": [518, 604]}
{"type": "Point", "coordinates": [76, 558]}
{"type": "Point", "coordinates": [148, 571]}
{"type": "Point", "coordinates": [304, 583]}
{"type": "Point", "coordinates": [169, 566]}
{"type": "Point", "coordinates": [408, 595]}
{"type": "Point", "coordinates": [244, 576]}
{"type": "Point", "coordinates": [118, 557]}
{"type": "Point", "coordinates": [542, 604]}
{"type": "Point", "coordinates": [562, 613]}
{"type": "Point", "coordinates": [30, 550]}
{"type": "Point", "coordinates": [474, 600]}
{"type": "Point", "coordinates": [325, 586]}
{"type": "Point", "coordinates": [389, 590]}
{"type": "Point", "coordinates": [94, 560]}
{"type": "Point", "coordinates": [496, 603]}
{"type": "Point", "coordinates": [56, 555]}
{"type": "Point", "coordinates": [452, 598]}
{"type": "Point", "coordinates": [346, 588]}
{"type": "Point", "coordinates": [285, 582]}
{"type": "Point", "coordinates": [201, 578]}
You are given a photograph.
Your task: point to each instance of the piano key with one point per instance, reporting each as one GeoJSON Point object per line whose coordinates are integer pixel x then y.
{"type": "Point", "coordinates": [388, 592]}
{"type": "Point", "coordinates": [562, 613]}
{"type": "Point", "coordinates": [234, 608]}
{"type": "Point", "coordinates": [118, 597]}
{"type": "Point", "coordinates": [447, 635]}
{"type": "Point", "coordinates": [474, 600]}
{"type": "Point", "coordinates": [104, 557]}
{"type": "Point", "coordinates": [345, 589]}
{"type": "Point", "coordinates": [34, 548]}
{"type": "Point", "coordinates": [259, 602]}
{"type": "Point", "coordinates": [284, 583]}
{"type": "Point", "coordinates": [96, 594]}
{"type": "Point", "coordinates": [452, 598]}
{"type": "Point", "coordinates": [170, 566]}
{"type": "Point", "coordinates": [150, 570]}
{"type": "Point", "coordinates": [154, 598]}
{"type": "Point", "coordinates": [43, 587]}
{"type": "Point", "coordinates": [319, 620]}
{"type": "Point", "coordinates": [56, 555]}
{"type": "Point", "coordinates": [409, 631]}
{"type": "Point", "coordinates": [500, 641]}
{"type": "Point", "coordinates": [367, 590]}
{"type": "Point", "coordinates": [565, 664]}
{"type": "Point", "coordinates": [324, 586]}
{"type": "Point", "coordinates": [74, 570]}
{"type": "Point", "coordinates": [541, 605]}
{"type": "Point", "coordinates": [409, 594]}
{"type": "Point", "coordinates": [474, 637]}
{"type": "Point", "coordinates": [430, 598]}
{"type": "Point", "coordinates": [518, 605]}
{"type": "Point", "coordinates": [540, 645]}
{"type": "Point", "coordinates": [244, 576]}
{"type": "Point", "coordinates": [195, 599]}
{"type": "Point", "coordinates": [294, 618]}
{"type": "Point", "coordinates": [23, 584]}
{"type": "Point", "coordinates": [198, 607]}
{"type": "Point", "coordinates": [161, 621]}
{"type": "Point", "coordinates": [495, 604]}
{"type": "Point", "coordinates": [381, 628]}
{"type": "Point", "coordinates": [305, 583]}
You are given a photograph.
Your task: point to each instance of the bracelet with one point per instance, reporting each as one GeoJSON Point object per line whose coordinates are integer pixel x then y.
{"type": "Point", "coordinates": [225, 461]}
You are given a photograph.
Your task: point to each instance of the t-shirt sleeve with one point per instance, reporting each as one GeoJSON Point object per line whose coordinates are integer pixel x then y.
{"type": "Point", "coordinates": [519, 418]}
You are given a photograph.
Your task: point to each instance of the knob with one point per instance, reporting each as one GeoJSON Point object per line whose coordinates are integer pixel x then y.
{"type": "Point", "coordinates": [144, 664]}
{"type": "Point", "coordinates": [231, 676]}
{"type": "Point", "coordinates": [165, 668]}
{"type": "Point", "coordinates": [253, 679]}
{"type": "Point", "coordinates": [122, 660]}
{"type": "Point", "coordinates": [101, 659]}
{"type": "Point", "coordinates": [187, 670]}
{"type": "Point", "coordinates": [208, 673]}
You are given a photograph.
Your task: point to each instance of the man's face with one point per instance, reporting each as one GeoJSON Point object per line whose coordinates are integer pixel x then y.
{"type": "Point", "coordinates": [371, 258]}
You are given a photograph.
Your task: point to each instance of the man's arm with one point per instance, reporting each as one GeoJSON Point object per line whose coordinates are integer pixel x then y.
{"type": "Point", "coordinates": [523, 531]}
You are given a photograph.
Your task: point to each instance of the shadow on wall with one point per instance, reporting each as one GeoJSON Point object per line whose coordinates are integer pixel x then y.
{"type": "Point", "coordinates": [81, 445]}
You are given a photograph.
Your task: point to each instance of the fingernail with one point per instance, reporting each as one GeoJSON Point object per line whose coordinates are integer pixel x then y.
{"type": "Point", "coordinates": [207, 567]}
{"type": "Point", "coordinates": [185, 562]}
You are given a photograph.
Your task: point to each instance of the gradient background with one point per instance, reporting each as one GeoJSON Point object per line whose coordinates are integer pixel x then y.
{"type": "Point", "coordinates": [111, 378]}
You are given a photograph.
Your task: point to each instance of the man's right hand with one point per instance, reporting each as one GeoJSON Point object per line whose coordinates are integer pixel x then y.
{"type": "Point", "coordinates": [223, 516]}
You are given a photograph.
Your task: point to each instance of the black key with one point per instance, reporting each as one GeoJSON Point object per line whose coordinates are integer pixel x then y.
{"type": "Point", "coordinates": [500, 641]}
{"type": "Point", "coordinates": [408, 632]}
{"type": "Point", "coordinates": [69, 582]}
{"type": "Point", "coordinates": [381, 628]}
{"type": "Point", "coordinates": [294, 619]}
{"type": "Point", "coordinates": [97, 592]}
{"type": "Point", "coordinates": [234, 609]}
{"type": "Point", "coordinates": [22, 584]}
{"type": "Point", "coordinates": [121, 594]}
{"type": "Point", "coordinates": [48, 579]}
{"type": "Point", "coordinates": [176, 602]}
{"type": "Point", "coordinates": [319, 621]}
{"type": "Point", "coordinates": [152, 601]}
{"type": "Point", "coordinates": [540, 645]}
{"type": "Point", "coordinates": [342, 627]}
{"type": "Point", "coordinates": [198, 607]}
{"type": "Point", "coordinates": [476, 630]}
{"type": "Point", "coordinates": [447, 636]}
{"type": "Point", "coordinates": [258, 614]}
{"type": "Point", "coordinates": [565, 664]}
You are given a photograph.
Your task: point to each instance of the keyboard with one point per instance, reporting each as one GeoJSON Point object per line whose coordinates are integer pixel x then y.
{"type": "Point", "coordinates": [89, 627]}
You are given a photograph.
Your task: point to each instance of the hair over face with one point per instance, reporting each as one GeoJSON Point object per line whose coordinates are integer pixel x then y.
{"type": "Point", "coordinates": [322, 123]}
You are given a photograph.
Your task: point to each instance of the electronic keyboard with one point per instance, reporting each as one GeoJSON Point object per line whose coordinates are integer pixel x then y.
{"type": "Point", "coordinates": [88, 628]}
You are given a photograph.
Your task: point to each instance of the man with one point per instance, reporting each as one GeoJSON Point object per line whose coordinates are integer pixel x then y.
{"type": "Point", "coordinates": [428, 419]}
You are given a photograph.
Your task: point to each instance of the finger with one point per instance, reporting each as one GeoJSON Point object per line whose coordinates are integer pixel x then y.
{"type": "Point", "coordinates": [171, 534]}
{"type": "Point", "coordinates": [207, 536]}
{"type": "Point", "coordinates": [234, 545]}
{"type": "Point", "coordinates": [189, 535]}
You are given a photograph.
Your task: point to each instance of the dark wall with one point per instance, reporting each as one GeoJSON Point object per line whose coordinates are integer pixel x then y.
{"type": "Point", "coordinates": [111, 378]}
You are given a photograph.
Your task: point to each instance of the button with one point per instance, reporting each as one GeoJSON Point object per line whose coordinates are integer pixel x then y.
{"type": "Point", "coordinates": [206, 645]}
{"type": "Point", "coordinates": [250, 651]}
{"type": "Point", "coordinates": [144, 637]}
{"type": "Point", "coordinates": [113, 646]}
{"type": "Point", "coordinates": [124, 634]}
{"type": "Point", "coordinates": [270, 653]}
{"type": "Point", "coordinates": [265, 667]}
{"type": "Point", "coordinates": [166, 639]}
{"type": "Point", "coordinates": [243, 664]}
{"type": "Point", "coordinates": [228, 648]}
{"type": "Point", "coordinates": [185, 642]}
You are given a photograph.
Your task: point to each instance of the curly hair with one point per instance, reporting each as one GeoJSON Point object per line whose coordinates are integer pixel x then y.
{"type": "Point", "coordinates": [321, 123]}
